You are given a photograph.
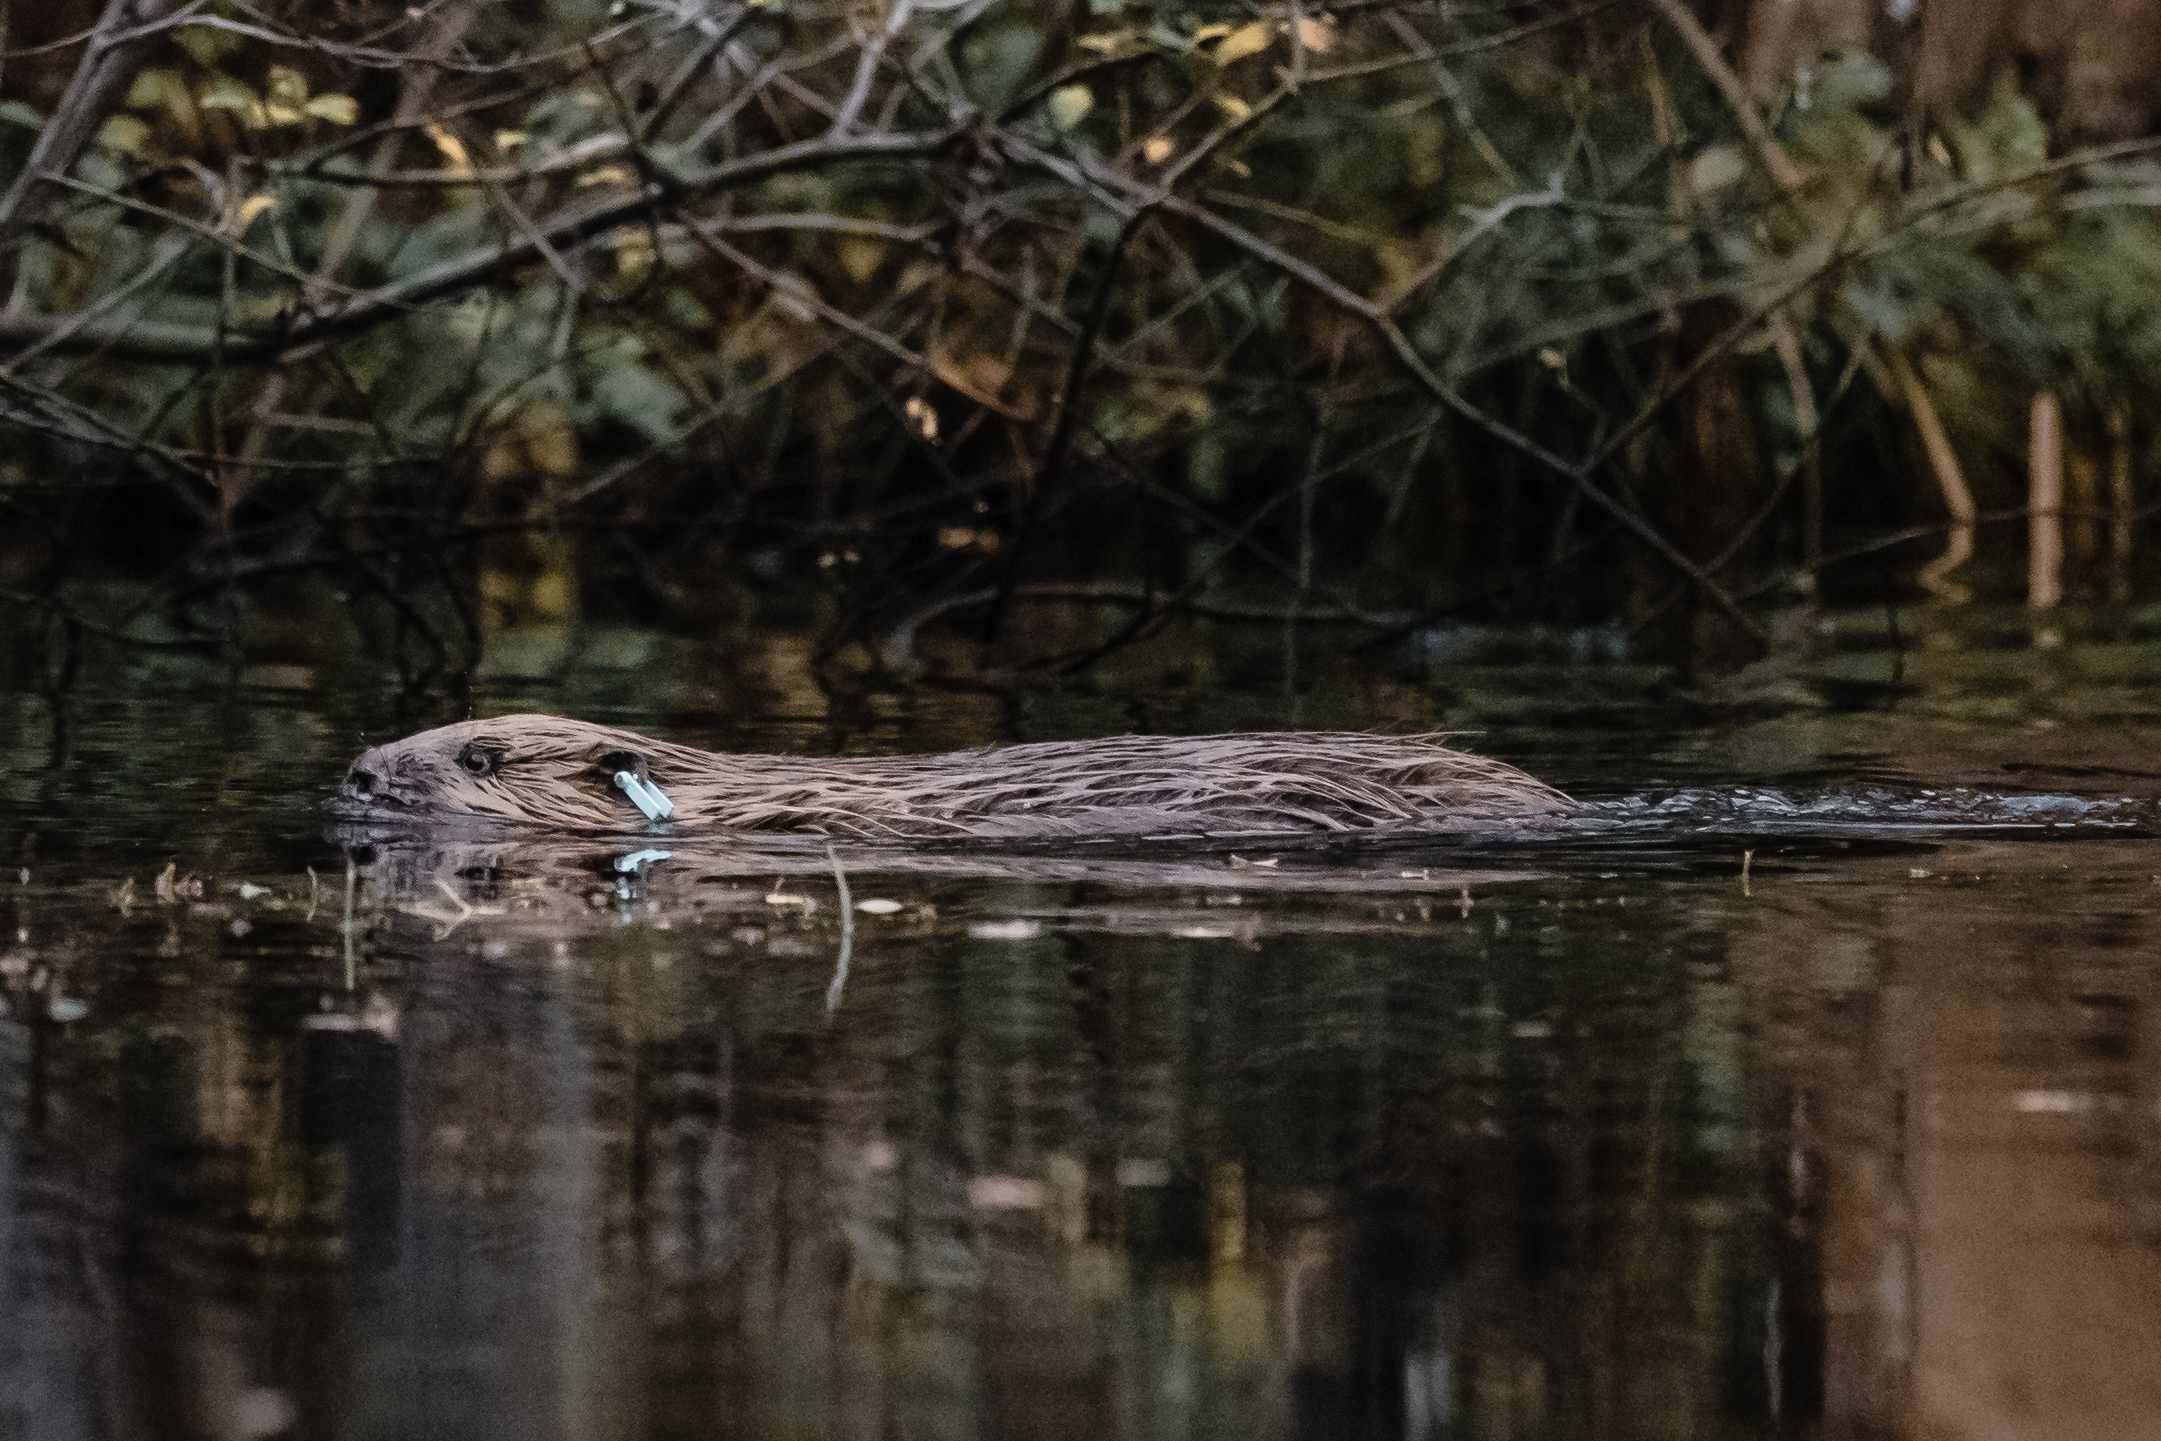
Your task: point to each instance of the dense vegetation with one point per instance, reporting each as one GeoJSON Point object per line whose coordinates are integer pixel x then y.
{"type": "Point", "coordinates": [512, 313]}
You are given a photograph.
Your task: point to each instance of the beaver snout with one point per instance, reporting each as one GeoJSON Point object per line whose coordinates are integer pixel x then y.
{"type": "Point", "coordinates": [367, 782]}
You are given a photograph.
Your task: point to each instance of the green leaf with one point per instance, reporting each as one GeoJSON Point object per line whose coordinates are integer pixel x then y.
{"type": "Point", "coordinates": [205, 45]}
{"type": "Point", "coordinates": [998, 62]}
{"type": "Point", "coordinates": [2006, 138]}
{"type": "Point", "coordinates": [684, 311]}
{"type": "Point", "coordinates": [438, 238]}
{"type": "Point", "coordinates": [287, 87]}
{"type": "Point", "coordinates": [1716, 168]}
{"type": "Point", "coordinates": [123, 133]}
{"type": "Point", "coordinates": [1245, 40]}
{"type": "Point", "coordinates": [337, 109]}
{"type": "Point", "coordinates": [1070, 104]}
{"type": "Point", "coordinates": [628, 392]}
{"type": "Point", "coordinates": [154, 88]}
{"type": "Point", "coordinates": [226, 93]}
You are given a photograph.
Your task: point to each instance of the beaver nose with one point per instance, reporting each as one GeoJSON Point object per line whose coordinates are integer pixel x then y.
{"type": "Point", "coordinates": [368, 780]}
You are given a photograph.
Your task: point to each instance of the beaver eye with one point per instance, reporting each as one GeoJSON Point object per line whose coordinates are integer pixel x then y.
{"type": "Point", "coordinates": [475, 761]}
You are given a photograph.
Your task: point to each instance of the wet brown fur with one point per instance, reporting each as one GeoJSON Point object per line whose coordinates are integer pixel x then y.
{"type": "Point", "coordinates": [545, 771]}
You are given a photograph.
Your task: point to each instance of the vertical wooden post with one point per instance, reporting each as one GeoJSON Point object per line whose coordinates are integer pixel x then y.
{"type": "Point", "coordinates": [2044, 505]}
{"type": "Point", "coordinates": [2123, 511]}
{"type": "Point", "coordinates": [1950, 479]}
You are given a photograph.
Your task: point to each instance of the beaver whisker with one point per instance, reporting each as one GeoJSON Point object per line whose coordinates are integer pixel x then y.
{"type": "Point", "coordinates": [544, 771]}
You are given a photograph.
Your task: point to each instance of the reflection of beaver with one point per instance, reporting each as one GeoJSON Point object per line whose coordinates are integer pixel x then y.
{"type": "Point", "coordinates": [544, 771]}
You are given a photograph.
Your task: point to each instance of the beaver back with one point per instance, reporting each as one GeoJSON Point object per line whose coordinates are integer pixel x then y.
{"type": "Point", "coordinates": [548, 772]}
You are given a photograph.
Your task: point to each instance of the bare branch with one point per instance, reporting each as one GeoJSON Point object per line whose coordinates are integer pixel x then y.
{"type": "Point", "coordinates": [1772, 155]}
{"type": "Point", "coordinates": [116, 49]}
{"type": "Point", "coordinates": [1377, 316]}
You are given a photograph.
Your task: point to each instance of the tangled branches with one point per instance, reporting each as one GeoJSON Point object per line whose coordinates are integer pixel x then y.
{"type": "Point", "coordinates": [940, 303]}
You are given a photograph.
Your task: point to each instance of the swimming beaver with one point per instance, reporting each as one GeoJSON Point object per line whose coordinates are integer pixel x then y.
{"type": "Point", "coordinates": [536, 770]}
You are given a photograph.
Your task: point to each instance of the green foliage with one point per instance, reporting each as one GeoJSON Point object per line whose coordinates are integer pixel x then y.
{"type": "Point", "coordinates": [1562, 229]}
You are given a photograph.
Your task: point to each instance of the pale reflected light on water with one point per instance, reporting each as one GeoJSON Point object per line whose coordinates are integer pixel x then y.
{"type": "Point", "coordinates": [1737, 1130]}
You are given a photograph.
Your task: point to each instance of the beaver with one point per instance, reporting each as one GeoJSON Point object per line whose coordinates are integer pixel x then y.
{"type": "Point", "coordinates": [549, 772]}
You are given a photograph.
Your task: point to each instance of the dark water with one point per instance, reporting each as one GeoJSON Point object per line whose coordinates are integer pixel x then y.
{"type": "Point", "coordinates": [1814, 1091]}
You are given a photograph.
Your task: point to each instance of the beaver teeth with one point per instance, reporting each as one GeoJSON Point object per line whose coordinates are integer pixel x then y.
{"type": "Point", "coordinates": [645, 795]}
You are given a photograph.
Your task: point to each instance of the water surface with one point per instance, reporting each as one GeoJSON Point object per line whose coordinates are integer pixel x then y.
{"type": "Point", "coordinates": [1816, 1091]}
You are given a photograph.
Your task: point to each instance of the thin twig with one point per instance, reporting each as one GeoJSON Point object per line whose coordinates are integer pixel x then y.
{"type": "Point", "coordinates": [1068, 408]}
{"type": "Point", "coordinates": [1377, 316]}
{"type": "Point", "coordinates": [1768, 152]}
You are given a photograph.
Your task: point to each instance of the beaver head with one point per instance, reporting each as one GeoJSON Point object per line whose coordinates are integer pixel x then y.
{"type": "Point", "coordinates": [524, 769]}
